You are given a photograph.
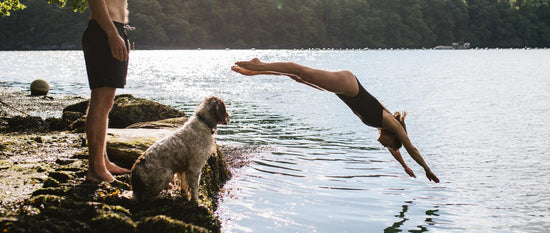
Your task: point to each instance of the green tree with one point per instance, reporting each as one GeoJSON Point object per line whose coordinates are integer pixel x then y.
{"type": "Point", "coordinates": [6, 6]}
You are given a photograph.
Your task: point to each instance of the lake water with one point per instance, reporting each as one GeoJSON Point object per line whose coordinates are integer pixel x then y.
{"type": "Point", "coordinates": [478, 117]}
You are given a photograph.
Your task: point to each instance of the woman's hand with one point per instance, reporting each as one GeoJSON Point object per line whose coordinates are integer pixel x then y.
{"type": "Point", "coordinates": [431, 176]}
{"type": "Point", "coordinates": [409, 171]}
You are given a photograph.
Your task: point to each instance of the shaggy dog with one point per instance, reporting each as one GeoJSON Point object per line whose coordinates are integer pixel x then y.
{"type": "Point", "coordinates": [184, 153]}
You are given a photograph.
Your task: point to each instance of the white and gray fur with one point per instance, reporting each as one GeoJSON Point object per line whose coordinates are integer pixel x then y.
{"type": "Point", "coordinates": [185, 152]}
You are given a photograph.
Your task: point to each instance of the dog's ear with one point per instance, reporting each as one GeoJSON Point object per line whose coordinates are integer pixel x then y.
{"type": "Point", "coordinates": [219, 110]}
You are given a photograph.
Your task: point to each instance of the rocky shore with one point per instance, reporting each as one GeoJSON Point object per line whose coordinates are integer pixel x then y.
{"type": "Point", "coordinates": [43, 161]}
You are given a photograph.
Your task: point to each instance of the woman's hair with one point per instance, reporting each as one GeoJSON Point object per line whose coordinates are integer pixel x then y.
{"type": "Point", "coordinates": [387, 138]}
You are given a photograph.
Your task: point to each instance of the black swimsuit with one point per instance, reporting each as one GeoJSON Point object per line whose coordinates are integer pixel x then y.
{"type": "Point", "coordinates": [365, 106]}
{"type": "Point", "coordinates": [102, 68]}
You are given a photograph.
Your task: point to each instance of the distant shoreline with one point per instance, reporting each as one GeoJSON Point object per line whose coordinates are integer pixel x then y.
{"type": "Point", "coordinates": [304, 49]}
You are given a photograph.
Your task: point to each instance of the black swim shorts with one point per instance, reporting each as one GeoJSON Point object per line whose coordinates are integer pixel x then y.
{"type": "Point", "coordinates": [102, 68]}
{"type": "Point", "coordinates": [365, 106]}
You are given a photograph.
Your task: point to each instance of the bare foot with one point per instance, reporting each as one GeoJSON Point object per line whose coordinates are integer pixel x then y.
{"type": "Point", "coordinates": [254, 64]}
{"type": "Point", "coordinates": [248, 72]}
{"type": "Point", "coordinates": [116, 170]}
{"type": "Point", "coordinates": [113, 168]}
{"type": "Point", "coordinates": [100, 177]}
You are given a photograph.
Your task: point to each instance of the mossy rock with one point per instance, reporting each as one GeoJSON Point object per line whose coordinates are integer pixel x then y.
{"type": "Point", "coordinates": [55, 191]}
{"type": "Point", "coordinates": [71, 116]}
{"type": "Point", "coordinates": [165, 224]}
{"type": "Point", "coordinates": [112, 222]}
{"type": "Point", "coordinates": [60, 176]}
{"type": "Point", "coordinates": [50, 183]}
{"type": "Point", "coordinates": [56, 124]}
{"type": "Point", "coordinates": [25, 123]}
{"type": "Point", "coordinates": [128, 110]}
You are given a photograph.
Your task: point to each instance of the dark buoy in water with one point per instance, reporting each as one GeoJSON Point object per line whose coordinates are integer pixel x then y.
{"type": "Point", "coordinates": [40, 87]}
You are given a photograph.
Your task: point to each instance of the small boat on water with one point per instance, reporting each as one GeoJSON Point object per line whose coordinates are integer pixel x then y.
{"type": "Point", "coordinates": [456, 45]}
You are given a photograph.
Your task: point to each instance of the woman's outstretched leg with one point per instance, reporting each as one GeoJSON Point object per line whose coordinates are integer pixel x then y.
{"type": "Point", "coordinates": [339, 82]}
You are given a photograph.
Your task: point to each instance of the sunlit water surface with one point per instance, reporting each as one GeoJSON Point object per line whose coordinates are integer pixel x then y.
{"type": "Point", "coordinates": [479, 118]}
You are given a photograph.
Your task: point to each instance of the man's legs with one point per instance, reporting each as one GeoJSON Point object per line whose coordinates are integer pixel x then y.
{"type": "Point", "coordinates": [100, 168]}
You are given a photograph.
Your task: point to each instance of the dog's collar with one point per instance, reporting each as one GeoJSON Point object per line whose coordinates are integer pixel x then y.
{"type": "Point", "coordinates": [211, 125]}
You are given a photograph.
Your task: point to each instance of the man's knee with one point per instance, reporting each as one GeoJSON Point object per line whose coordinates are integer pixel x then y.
{"type": "Point", "coordinates": [102, 99]}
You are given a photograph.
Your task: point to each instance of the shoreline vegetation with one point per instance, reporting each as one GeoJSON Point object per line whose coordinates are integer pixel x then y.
{"type": "Point", "coordinates": [43, 164]}
{"type": "Point", "coordinates": [275, 24]}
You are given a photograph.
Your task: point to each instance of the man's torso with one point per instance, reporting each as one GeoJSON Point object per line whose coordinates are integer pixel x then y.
{"type": "Point", "coordinates": [117, 10]}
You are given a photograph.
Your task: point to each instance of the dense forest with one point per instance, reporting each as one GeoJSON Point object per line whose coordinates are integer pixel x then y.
{"type": "Point", "coordinates": [184, 24]}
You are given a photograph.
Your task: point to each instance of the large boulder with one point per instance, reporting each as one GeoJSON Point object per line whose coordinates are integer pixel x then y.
{"type": "Point", "coordinates": [128, 110]}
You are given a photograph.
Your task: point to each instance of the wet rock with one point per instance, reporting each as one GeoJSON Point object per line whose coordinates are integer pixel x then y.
{"type": "Point", "coordinates": [57, 191]}
{"type": "Point", "coordinates": [78, 126]}
{"type": "Point", "coordinates": [128, 110]}
{"type": "Point", "coordinates": [60, 176]}
{"type": "Point", "coordinates": [68, 203]}
{"type": "Point", "coordinates": [79, 107]}
{"type": "Point", "coordinates": [50, 183]}
{"type": "Point", "coordinates": [76, 206]}
{"type": "Point", "coordinates": [124, 146]}
{"type": "Point", "coordinates": [112, 222]}
{"type": "Point", "coordinates": [33, 124]}
{"type": "Point", "coordinates": [71, 116]}
{"type": "Point", "coordinates": [56, 124]}
{"type": "Point", "coordinates": [161, 124]}
{"type": "Point", "coordinates": [15, 102]}
{"type": "Point", "coordinates": [25, 123]}
{"type": "Point", "coordinates": [40, 87]}
{"type": "Point", "coordinates": [162, 223]}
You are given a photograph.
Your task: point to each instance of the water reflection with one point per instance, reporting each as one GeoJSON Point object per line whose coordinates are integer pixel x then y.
{"type": "Point", "coordinates": [396, 227]}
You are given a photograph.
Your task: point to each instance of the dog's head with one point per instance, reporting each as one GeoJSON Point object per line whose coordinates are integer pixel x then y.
{"type": "Point", "coordinates": [212, 109]}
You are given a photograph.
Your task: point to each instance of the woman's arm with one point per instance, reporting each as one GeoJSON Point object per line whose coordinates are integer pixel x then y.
{"type": "Point", "coordinates": [390, 123]}
{"type": "Point", "coordinates": [397, 155]}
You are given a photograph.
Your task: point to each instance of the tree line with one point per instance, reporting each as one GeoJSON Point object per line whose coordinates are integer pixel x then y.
{"type": "Point", "coordinates": [278, 24]}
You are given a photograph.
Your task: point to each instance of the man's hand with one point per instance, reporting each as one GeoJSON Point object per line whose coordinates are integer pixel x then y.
{"type": "Point", "coordinates": [118, 47]}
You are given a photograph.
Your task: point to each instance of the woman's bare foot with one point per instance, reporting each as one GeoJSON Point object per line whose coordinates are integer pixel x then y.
{"type": "Point", "coordinates": [248, 72]}
{"type": "Point", "coordinates": [254, 65]}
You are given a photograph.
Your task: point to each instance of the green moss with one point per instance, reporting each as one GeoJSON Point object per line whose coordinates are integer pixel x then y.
{"type": "Point", "coordinates": [112, 222]}
{"type": "Point", "coordinates": [57, 191]}
{"type": "Point", "coordinates": [60, 176]}
{"type": "Point", "coordinates": [67, 203]}
{"type": "Point", "coordinates": [165, 224]}
{"type": "Point", "coordinates": [50, 183]}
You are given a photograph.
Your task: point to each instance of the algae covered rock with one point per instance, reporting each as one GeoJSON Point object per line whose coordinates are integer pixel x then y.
{"type": "Point", "coordinates": [25, 123]}
{"type": "Point", "coordinates": [128, 110]}
{"type": "Point", "coordinates": [162, 223]}
{"type": "Point", "coordinates": [124, 146]}
{"type": "Point", "coordinates": [68, 203]}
